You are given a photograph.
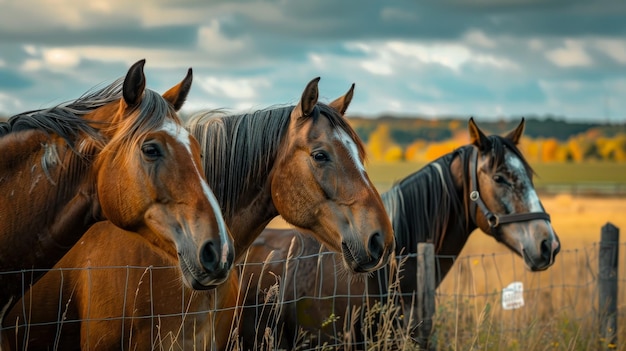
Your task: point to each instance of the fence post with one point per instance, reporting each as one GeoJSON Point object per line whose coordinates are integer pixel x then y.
{"type": "Point", "coordinates": [607, 284]}
{"type": "Point", "coordinates": [425, 294]}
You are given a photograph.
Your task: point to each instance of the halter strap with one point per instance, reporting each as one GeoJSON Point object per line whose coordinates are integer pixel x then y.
{"type": "Point", "coordinates": [493, 219]}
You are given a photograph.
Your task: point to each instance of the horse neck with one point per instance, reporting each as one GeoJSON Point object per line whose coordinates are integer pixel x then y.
{"type": "Point", "coordinates": [240, 153]}
{"type": "Point", "coordinates": [56, 194]}
{"type": "Point", "coordinates": [428, 206]}
{"type": "Point", "coordinates": [49, 204]}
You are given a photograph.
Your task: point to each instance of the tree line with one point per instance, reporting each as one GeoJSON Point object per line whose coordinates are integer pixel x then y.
{"type": "Point", "coordinates": [393, 139]}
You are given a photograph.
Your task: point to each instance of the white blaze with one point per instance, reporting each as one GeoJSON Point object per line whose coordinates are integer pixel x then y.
{"type": "Point", "coordinates": [353, 151]}
{"type": "Point", "coordinates": [181, 135]}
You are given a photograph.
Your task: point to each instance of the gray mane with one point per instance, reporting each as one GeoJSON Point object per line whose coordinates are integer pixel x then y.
{"type": "Point", "coordinates": [238, 151]}
{"type": "Point", "coordinates": [421, 205]}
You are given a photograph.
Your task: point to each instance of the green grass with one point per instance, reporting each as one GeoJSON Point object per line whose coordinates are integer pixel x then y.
{"type": "Point", "coordinates": [385, 174]}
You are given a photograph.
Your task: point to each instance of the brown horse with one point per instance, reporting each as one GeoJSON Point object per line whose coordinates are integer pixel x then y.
{"type": "Point", "coordinates": [304, 163]}
{"type": "Point", "coordinates": [486, 185]}
{"type": "Point", "coordinates": [119, 153]}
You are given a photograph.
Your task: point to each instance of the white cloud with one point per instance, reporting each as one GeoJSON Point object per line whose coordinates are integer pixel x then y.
{"type": "Point", "coordinates": [572, 55]}
{"type": "Point", "coordinates": [614, 48]}
{"type": "Point", "coordinates": [210, 39]}
{"type": "Point", "coordinates": [386, 58]}
{"type": "Point", "coordinates": [31, 49]}
{"type": "Point", "coordinates": [31, 65]}
{"type": "Point", "coordinates": [52, 59]}
{"type": "Point", "coordinates": [377, 67]}
{"type": "Point", "coordinates": [66, 57]}
{"type": "Point", "coordinates": [234, 88]}
{"type": "Point", "coordinates": [447, 55]}
{"type": "Point", "coordinates": [60, 58]}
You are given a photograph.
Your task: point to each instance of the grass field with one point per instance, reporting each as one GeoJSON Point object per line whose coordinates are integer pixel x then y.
{"type": "Point", "coordinates": [385, 174]}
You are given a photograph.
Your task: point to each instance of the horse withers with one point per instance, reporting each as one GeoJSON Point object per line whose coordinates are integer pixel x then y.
{"type": "Point", "coordinates": [486, 184]}
{"type": "Point", "coordinates": [303, 162]}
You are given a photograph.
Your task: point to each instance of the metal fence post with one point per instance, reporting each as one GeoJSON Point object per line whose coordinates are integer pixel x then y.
{"type": "Point", "coordinates": [607, 285]}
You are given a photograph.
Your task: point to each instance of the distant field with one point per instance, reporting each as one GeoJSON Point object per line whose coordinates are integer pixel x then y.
{"type": "Point", "coordinates": [385, 174]}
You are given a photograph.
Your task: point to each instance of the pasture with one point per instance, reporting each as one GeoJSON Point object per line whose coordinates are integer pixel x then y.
{"type": "Point", "coordinates": [552, 174]}
{"type": "Point", "coordinates": [560, 303]}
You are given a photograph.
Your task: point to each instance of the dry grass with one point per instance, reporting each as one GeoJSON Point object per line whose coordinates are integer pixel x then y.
{"type": "Point", "coordinates": [560, 304]}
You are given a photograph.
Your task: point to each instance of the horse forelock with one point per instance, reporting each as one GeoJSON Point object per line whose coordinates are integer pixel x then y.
{"type": "Point", "coordinates": [130, 130]}
{"type": "Point", "coordinates": [499, 146]}
{"type": "Point", "coordinates": [238, 151]}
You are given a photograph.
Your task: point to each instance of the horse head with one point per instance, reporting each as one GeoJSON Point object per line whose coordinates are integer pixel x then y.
{"type": "Point", "coordinates": [335, 199]}
{"type": "Point", "coordinates": [503, 200]}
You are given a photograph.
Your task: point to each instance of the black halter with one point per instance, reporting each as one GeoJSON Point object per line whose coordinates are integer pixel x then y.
{"type": "Point", "coordinates": [493, 219]}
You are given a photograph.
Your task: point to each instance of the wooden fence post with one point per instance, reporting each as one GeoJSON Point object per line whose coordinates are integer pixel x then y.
{"type": "Point", "coordinates": [425, 294]}
{"type": "Point", "coordinates": [607, 284]}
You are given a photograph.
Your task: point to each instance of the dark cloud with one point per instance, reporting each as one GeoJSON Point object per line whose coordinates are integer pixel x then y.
{"type": "Point", "coordinates": [133, 35]}
{"type": "Point", "coordinates": [329, 19]}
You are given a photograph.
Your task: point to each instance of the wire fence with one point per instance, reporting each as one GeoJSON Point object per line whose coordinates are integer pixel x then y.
{"type": "Point", "coordinates": [307, 302]}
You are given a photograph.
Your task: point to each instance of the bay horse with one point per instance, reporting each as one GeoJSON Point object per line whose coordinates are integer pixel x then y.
{"type": "Point", "coordinates": [119, 153]}
{"type": "Point", "coordinates": [303, 162]}
{"type": "Point", "coordinates": [486, 184]}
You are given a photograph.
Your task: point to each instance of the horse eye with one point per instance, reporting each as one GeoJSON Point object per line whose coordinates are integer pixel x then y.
{"type": "Point", "coordinates": [151, 151]}
{"type": "Point", "coordinates": [499, 179]}
{"type": "Point", "coordinates": [320, 156]}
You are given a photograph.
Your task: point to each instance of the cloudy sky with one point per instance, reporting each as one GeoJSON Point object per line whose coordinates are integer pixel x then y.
{"type": "Point", "coordinates": [482, 58]}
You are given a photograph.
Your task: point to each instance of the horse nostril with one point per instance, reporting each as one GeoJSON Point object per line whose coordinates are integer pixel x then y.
{"type": "Point", "coordinates": [209, 257]}
{"type": "Point", "coordinates": [546, 250]}
{"type": "Point", "coordinates": [376, 246]}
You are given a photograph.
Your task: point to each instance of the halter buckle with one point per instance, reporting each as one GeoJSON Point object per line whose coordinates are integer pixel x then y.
{"type": "Point", "coordinates": [474, 195]}
{"type": "Point", "coordinates": [493, 220]}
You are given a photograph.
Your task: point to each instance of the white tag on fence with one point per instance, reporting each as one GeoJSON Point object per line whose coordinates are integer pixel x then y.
{"type": "Point", "coordinates": [513, 296]}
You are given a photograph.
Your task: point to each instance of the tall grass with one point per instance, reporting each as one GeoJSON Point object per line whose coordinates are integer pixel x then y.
{"type": "Point", "coordinates": [561, 315]}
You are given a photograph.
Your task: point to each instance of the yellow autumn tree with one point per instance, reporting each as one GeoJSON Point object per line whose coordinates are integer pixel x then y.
{"type": "Point", "coordinates": [436, 150]}
{"type": "Point", "coordinates": [393, 154]}
{"type": "Point", "coordinates": [620, 152]}
{"type": "Point", "coordinates": [415, 151]}
{"type": "Point", "coordinates": [381, 146]}
{"type": "Point", "coordinates": [530, 149]}
{"type": "Point", "coordinates": [549, 149]}
{"type": "Point", "coordinates": [576, 150]}
{"type": "Point", "coordinates": [613, 149]}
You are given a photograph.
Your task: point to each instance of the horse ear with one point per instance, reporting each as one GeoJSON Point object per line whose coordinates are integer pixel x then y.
{"type": "Point", "coordinates": [309, 98]}
{"type": "Point", "coordinates": [134, 84]}
{"type": "Point", "coordinates": [516, 135]}
{"type": "Point", "coordinates": [477, 137]}
{"type": "Point", "coordinates": [178, 93]}
{"type": "Point", "coordinates": [342, 103]}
